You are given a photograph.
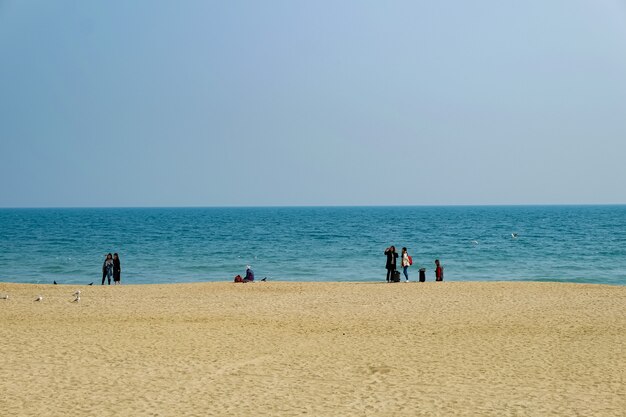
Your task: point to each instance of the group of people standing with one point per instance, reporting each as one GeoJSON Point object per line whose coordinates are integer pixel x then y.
{"type": "Point", "coordinates": [405, 262]}
{"type": "Point", "coordinates": [112, 268]}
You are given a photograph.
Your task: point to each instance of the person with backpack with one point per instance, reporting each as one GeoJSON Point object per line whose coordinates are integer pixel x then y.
{"type": "Point", "coordinates": [392, 255]}
{"type": "Point", "coordinates": [406, 262]}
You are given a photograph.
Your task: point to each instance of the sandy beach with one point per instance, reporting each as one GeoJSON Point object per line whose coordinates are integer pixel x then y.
{"type": "Point", "coordinates": [321, 349]}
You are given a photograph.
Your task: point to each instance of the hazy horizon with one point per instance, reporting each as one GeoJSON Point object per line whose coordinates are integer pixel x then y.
{"type": "Point", "coordinates": [314, 206]}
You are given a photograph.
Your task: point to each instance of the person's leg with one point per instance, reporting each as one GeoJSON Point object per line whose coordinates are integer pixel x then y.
{"type": "Point", "coordinates": [406, 273]}
{"type": "Point", "coordinates": [389, 276]}
{"type": "Point", "coordinates": [104, 275]}
{"type": "Point", "coordinates": [109, 277]}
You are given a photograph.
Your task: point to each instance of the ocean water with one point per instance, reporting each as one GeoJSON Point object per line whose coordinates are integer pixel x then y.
{"type": "Point", "coordinates": [168, 245]}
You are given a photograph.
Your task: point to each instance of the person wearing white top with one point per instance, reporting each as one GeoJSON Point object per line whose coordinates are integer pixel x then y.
{"type": "Point", "coordinates": [405, 264]}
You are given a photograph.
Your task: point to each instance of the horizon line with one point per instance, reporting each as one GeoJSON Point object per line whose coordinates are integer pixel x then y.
{"type": "Point", "coordinates": [317, 206]}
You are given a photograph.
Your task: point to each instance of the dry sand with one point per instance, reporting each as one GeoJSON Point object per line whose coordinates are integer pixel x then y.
{"type": "Point", "coordinates": [319, 349]}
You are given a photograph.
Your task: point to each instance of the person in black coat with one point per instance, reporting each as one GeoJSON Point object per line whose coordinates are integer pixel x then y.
{"type": "Point", "coordinates": [392, 255]}
{"type": "Point", "coordinates": [117, 270]}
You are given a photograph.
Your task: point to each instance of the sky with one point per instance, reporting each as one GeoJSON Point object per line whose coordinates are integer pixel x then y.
{"type": "Point", "coordinates": [256, 103]}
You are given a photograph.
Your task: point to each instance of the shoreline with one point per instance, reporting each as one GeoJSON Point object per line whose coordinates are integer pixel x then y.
{"type": "Point", "coordinates": [278, 281]}
{"type": "Point", "coordinates": [319, 348]}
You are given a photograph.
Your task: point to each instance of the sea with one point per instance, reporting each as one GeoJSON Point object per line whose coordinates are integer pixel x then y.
{"type": "Point", "coordinates": [584, 244]}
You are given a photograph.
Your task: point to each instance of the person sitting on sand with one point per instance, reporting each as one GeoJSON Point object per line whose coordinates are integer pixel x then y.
{"type": "Point", "coordinates": [249, 274]}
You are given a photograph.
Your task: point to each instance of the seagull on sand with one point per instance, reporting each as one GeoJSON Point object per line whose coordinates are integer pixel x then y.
{"type": "Point", "coordinates": [77, 294]}
{"type": "Point", "coordinates": [5, 297]}
{"type": "Point", "coordinates": [39, 298]}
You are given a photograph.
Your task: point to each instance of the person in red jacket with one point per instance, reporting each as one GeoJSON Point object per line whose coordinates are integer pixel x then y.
{"type": "Point", "coordinates": [438, 271]}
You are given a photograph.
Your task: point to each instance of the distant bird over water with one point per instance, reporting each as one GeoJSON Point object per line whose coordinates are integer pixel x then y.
{"type": "Point", "coordinates": [514, 235]}
{"type": "Point", "coordinates": [474, 242]}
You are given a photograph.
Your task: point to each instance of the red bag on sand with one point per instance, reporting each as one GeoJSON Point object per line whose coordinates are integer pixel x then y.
{"type": "Point", "coordinates": [238, 278]}
{"type": "Point", "coordinates": [410, 260]}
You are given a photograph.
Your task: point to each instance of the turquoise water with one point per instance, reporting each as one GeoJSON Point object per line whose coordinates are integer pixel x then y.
{"type": "Point", "coordinates": [164, 245]}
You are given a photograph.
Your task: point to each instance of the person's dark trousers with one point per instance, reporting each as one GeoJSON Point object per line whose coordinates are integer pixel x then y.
{"type": "Point", "coordinates": [105, 275]}
{"type": "Point", "coordinates": [390, 274]}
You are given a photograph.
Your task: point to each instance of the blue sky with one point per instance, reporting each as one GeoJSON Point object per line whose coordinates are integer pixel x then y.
{"type": "Point", "coordinates": [212, 103]}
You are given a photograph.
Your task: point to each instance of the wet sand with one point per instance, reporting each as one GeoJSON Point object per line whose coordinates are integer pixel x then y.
{"type": "Point", "coordinates": [320, 349]}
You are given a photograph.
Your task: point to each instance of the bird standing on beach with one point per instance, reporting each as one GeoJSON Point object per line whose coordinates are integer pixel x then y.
{"type": "Point", "coordinates": [5, 297]}
{"type": "Point", "coordinates": [77, 294]}
{"type": "Point", "coordinates": [54, 282]}
{"type": "Point", "coordinates": [39, 298]}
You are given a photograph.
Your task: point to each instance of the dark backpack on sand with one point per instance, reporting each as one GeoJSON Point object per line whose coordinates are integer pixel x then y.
{"type": "Point", "coordinates": [396, 276]}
